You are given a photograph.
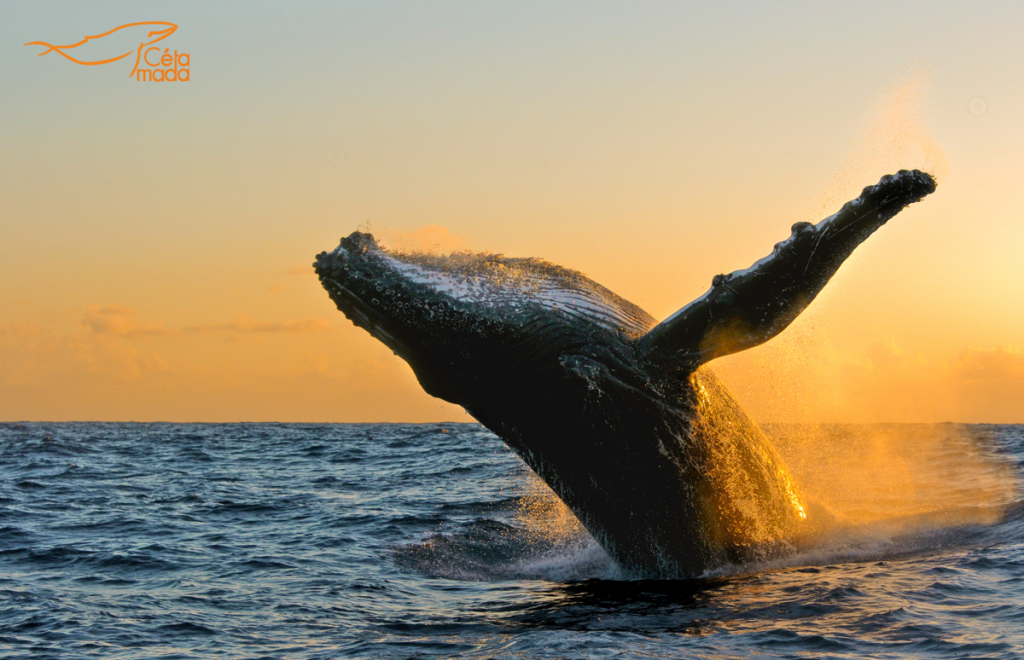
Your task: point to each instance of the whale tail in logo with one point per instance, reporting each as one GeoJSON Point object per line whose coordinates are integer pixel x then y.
{"type": "Point", "coordinates": [154, 31]}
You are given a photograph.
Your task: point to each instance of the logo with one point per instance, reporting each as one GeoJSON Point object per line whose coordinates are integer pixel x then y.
{"type": "Point", "coordinates": [151, 65]}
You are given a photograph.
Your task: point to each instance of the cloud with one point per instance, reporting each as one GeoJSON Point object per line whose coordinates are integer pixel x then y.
{"type": "Point", "coordinates": [1002, 366]}
{"type": "Point", "coordinates": [277, 288]}
{"type": "Point", "coordinates": [58, 368]}
{"type": "Point", "coordinates": [880, 382]}
{"type": "Point", "coordinates": [990, 384]}
{"type": "Point", "coordinates": [431, 238]}
{"type": "Point", "coordinates": [155, 363]}
{"type": "Point", "coordinates": [122, 322]}
{"type": "Point", "coordinates": [118, 321]}
{"type": "Point", "coordinates": [243, 323]}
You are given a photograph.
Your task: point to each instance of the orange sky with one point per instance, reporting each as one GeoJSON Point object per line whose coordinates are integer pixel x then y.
{"type": "Point", "coordinates": [157, 236]}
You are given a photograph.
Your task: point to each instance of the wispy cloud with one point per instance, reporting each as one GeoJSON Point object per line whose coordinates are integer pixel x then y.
{"type": "Point", "coordinates": [243, 323]}
{"type": "Point", "coordinates": [1002, 365]}
{"type": "Point", "coordinates": [118, 321]}
{"type": "Point", "coordinates": [277, 288]}
{"type": "Point", "coordinates": [123, 322]}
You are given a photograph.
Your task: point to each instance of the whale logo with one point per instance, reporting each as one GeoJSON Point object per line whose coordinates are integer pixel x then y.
{"type": "Point", "coordinates": [155, 31]}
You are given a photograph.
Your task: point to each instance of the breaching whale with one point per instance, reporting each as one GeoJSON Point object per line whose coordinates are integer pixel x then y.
{"type": "Point", "coordinates": [614, 411]}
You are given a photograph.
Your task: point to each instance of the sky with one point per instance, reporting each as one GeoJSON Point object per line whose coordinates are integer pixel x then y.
{"type": "Point", "coordinates": [157, 236]}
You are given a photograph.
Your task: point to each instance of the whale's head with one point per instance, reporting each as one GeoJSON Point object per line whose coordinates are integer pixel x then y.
{"type": "Point", "coordinates": [458, 319]}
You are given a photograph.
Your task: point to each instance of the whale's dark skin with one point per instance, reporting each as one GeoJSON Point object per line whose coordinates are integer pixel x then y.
{"type": "Point", "coordinates": [611, 409]}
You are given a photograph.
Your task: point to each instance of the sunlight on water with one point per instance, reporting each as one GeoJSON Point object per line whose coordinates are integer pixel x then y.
{"type": "Point", "coordinates": [931, 475]}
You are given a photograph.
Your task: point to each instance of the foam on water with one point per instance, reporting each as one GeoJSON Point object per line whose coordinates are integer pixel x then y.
{"type": "Point", "coordinates": [874, 493]}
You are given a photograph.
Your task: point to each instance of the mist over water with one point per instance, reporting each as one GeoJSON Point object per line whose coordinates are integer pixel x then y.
{"type": "Point", "coordinates": [875, 490]}
{"type": "Point", "coordinates": [932, 473]}
{"type": "Point", "coordinates": [383, 541]}
{"type": "Point", "coordinates": [871, 491]}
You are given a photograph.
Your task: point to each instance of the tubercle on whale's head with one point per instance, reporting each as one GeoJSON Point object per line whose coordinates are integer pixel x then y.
{"type": "Point", "coordinates": [355, 276]}
{"type": "Point", "coordinates": [394, 300]}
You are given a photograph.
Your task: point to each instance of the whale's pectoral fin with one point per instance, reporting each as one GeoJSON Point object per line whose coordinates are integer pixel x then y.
{"type": "Point", "coordinates": [749, 307]}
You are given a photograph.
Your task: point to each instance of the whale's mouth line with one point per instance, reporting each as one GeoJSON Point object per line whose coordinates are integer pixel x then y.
{"type": "Point", "coordinates": [360, 313]}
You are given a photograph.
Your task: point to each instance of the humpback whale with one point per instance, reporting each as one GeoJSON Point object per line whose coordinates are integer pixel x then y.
{"type": "Point", "coordinates": [616, 412]}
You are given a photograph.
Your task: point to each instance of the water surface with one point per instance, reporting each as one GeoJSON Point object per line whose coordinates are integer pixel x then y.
{"type": "Point", "coordinates": [393, 541]}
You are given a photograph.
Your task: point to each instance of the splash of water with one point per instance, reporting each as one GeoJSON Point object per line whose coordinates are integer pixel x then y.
{"type": "Point", "coordinates": [918, 474]}
{"type": "Point", "coordinates": [794, 377]}
{"type": "Point", "coordinates": [872, 492]}
{"type": "Point", "coordinates": [434, 239]}
{"type": "Point", "coordinates": [896, 138]}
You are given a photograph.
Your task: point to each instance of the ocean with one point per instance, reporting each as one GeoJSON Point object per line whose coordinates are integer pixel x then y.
{"type": "Point", "coordinates": [167, 541]}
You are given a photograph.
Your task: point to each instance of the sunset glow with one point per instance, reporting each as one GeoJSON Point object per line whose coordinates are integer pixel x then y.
{"type": "Point", "coordinates": [158, 238]}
